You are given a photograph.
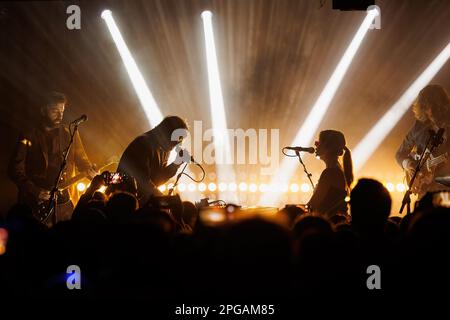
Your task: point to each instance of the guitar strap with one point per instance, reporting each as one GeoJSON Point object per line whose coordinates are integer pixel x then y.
{"type": "Point", "coordinates": [56, 211]}
{"type": "Point", "coordinates": [63, 142]}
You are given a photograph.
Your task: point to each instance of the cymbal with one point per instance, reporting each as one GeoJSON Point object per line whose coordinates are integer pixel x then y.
{"type": "Point", "coordinates": [443, 180]}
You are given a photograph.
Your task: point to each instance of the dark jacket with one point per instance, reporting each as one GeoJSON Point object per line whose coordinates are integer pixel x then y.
{"type": "Point", "coordinates": [146, 161]}
{"type": "Point", "coordinates": [28, 165]}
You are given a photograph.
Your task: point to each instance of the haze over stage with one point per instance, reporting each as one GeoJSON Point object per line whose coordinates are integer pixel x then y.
{"type": "Point", "coordinates": [274, 57]}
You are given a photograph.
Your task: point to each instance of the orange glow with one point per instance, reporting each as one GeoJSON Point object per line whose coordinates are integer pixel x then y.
{"type": "Point", "coordinates": [3, 240]}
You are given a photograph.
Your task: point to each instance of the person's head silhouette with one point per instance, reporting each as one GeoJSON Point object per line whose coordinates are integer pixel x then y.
{"type": "Point", "coordinates": [370, 206]}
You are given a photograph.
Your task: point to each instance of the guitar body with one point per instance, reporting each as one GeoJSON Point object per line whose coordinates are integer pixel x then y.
{"type": "Point", "coordinates": [422, 183]}
{"type": "Point", "coordinates": [425, 178]}
{"type": "Point", "coordinates": [43, 210]}
{"type": "Point", "coordinates": [63, 206]}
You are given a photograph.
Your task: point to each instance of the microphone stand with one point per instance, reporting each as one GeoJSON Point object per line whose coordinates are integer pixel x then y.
{"type": "Point", "coordinates": [178, 178]}
{"type": "Point", "coordinates": [407, 197]}
{"type": "Point", "coordinates": [53, 199]}
{"type": "Point", "coordinates": [308, 174]}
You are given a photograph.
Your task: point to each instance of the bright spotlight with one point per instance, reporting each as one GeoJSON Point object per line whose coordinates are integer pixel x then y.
{"type": "Point", "coordinates": [181, 187]}
{"type": "Point", "coordinates": [191, 187]}
{"type": "Point", "coordinates": [390, 187]}
{"type": "Point", "coordinates": [383, 127]}
{"type": "Point", "coordinates": [252, 187]}
{"type": "Point", "coordinates": [243, 186]}
{"type": "Point", "coordinates": [305, 187]}
{"type": "Point", "coordinates": [106, 13]}
{"type": "Point", "coordinates": [146, 99]}
{"type": "Point", "coordinates": [232, 186]}
{"type": "Point", "coordinates": [201, 187]}
{"type": "Point", "coordinates": [223, 186]}
{"type": "Point", "coordinates": [401, 187]}
{"type": "Point", "coordinates": [81, 186]}
{"type": "Point", "coordinates": [294, 187]}
{"type": "Point", "coordinates": [225, 171]}
{"type": "Point", "coordinates": [206, 14]}
{"type": "Point", "coordinates": [102, 189]}
{"type": "Point", "coordinates": [162, 188]}
{"type": "Point", "coordinates": [212, 187]}
{"type": "Point", "coordinates": [307, 131]}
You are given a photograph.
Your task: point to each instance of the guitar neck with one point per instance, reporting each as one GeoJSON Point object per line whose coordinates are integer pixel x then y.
{"type": "Point", "coordinates": [67, 183]}
{"type": "Point", "coordinates": [438, 160]}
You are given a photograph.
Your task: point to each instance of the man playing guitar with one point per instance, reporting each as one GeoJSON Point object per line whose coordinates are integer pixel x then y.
{"type": "Point", "coordinates": [38, 155]}
{"type": "Point", "coordinates": [432, 112]}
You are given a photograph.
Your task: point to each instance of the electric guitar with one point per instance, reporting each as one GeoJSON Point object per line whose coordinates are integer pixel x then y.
{"type": "Point", "coordinates": [43, 209]}
{"type": "Point", "coordinates": [427, 174]}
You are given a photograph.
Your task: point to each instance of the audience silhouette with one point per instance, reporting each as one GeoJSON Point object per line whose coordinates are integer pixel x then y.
{"type": "Point", "coordinates": [149, 253]}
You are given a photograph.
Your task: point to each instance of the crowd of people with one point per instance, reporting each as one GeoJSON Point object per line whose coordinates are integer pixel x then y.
{"type": "Point", "coordinates": [128, 245]}
{"type": "Point", "coordinates": [144, 252]}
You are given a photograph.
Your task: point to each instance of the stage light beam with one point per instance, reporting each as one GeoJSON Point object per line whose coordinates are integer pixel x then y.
{"type": "Point", "coordinates": [148, 102]}
{"type": "Point", "coordinates": [146, 98]}
{"type": "Point", "coordinates": [367, 146]}
{"type": "Point", "coordinates": [225, 171]}
{"type": "Point", "coordinates": [307, 131]}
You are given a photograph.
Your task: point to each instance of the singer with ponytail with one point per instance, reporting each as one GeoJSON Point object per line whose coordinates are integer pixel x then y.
{"type": "Point", "coordinates": [334, 183]}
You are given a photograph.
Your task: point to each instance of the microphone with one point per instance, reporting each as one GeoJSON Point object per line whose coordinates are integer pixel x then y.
{"type": "Point", "coordinates": [301, 149]}
{"type": "Point", "coordinates": [184, 156]}
{"type": "Point", "coordinates": [80, 120]}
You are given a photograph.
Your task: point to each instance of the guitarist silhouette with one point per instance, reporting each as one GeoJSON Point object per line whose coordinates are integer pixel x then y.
{"type": "Point", "coordinates": [432, 112]}
{"type": "Point", "coordinates": [37, 158]}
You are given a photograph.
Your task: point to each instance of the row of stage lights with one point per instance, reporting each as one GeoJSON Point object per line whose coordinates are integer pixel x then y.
{"type": "Point", "coordinates": [246, 187]}
{"type": "Point", "coordinates": [306, 132]}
